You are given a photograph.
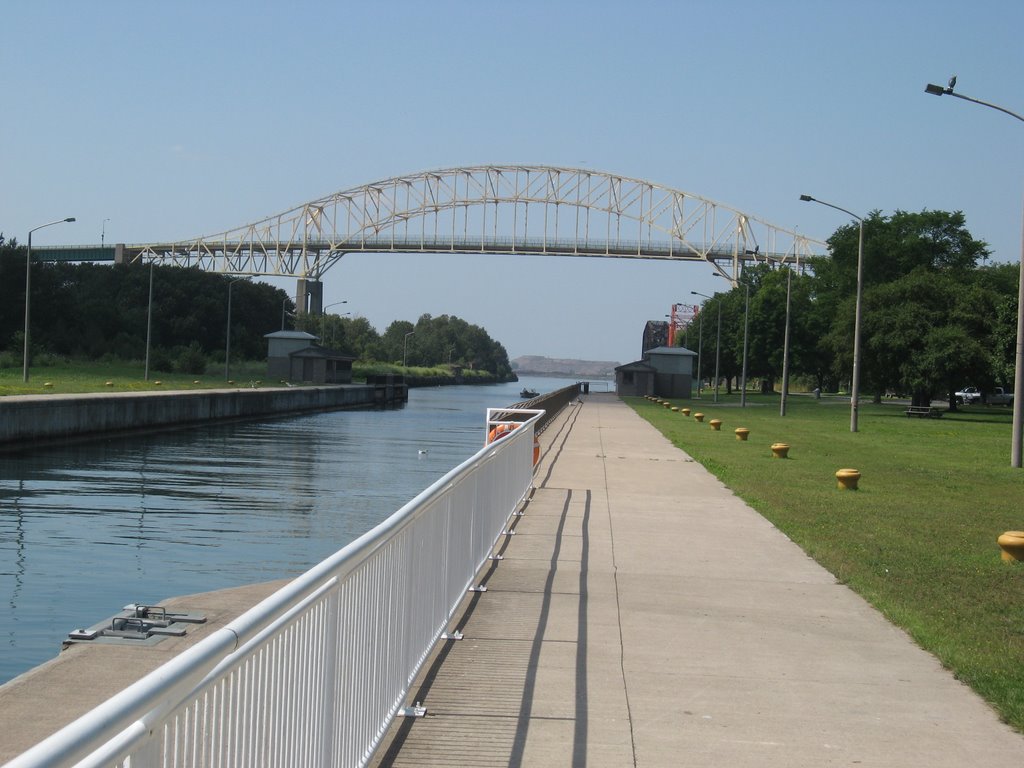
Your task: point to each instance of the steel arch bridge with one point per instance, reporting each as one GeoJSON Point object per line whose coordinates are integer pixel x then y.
{"type": "Point", "coordinates": [489, 209]}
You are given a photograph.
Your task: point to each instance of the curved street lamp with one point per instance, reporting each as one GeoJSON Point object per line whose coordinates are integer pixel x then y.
{"type": "Point", "coordinates": [405, 347]}
{"type": "Point", "coordinates": [855, 382]}
{"type": "Point", "coordinates": [323, 317]}
{"type": "Point", "coordinates": [28, 286]}
{"type": "Point", "coordinates": [1017, 438]}
{"type": "Point", "coordinates": [718, 337]}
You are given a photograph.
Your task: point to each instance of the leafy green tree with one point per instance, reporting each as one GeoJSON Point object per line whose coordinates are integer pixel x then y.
{"type": "Point", "coordinates": [394, 344]}
{"type": "Point", "coordinates": [913, 264]}
{"type": "Point", "coordinates": [923, 334]}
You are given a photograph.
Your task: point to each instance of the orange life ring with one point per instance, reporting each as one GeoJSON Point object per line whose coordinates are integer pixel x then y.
{"type": "Point", "coordinates": [500, 431]}
{"type": "Point", "coordinates": [536, 449]}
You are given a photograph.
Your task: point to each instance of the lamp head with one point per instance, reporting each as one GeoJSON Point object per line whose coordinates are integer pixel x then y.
{"type": "Point", "coordinates": [807, 198]}
{"type": "Point", "coordinates": [72, 218]}
{"type": "Point", "coordinates": [935, 90]}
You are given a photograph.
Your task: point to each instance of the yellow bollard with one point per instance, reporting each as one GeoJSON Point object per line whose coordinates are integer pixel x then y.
{"type": "Point", "coordinates": [1012, 545]}
{"type": "Point", "coordinates": [686, 411]}
{"type": "Point", "coordinates": [742, 433]}
{"type": "Point", "coordinates": [716, 424]}
{"type": "Point", "coordinates": [699, 416]}
{"type": "Point", "coordinates": [780, 450]}
{"type": "Point", "coordinates": [847, 479]}
{"type": "Point", "coordinates": [109, 383]}
{"type": "Point", "coordinates": [675, 409]}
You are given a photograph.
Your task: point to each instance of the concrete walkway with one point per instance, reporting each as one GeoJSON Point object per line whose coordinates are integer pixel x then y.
{"type": "Point", "coordinates": [643, 615]}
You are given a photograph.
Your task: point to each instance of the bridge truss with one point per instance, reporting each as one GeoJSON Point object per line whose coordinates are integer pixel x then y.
{"type": "Point", "coordinates": [492, 209]}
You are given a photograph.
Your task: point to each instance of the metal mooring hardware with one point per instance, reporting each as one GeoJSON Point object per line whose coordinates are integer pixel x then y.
{"type": "Point", "coordinates": [137, 623]}
{"type": "Point", "coordinates": [417, 710]}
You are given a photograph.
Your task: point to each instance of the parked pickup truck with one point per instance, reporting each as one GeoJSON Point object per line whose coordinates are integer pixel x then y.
{"type": "Point", "coordinates": [968, 395]}
{"type": "Point", "coordinates": [998, 397]}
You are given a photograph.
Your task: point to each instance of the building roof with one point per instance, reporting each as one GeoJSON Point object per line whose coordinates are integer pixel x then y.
{"type": "Point", "coordinates": [289, 335]}
{"type": "Point", "coordinates": [682, 351]}
{"type": "Point", "coordinates": [316, 351]}
{"type": "Point", "coordinates": [637, 365]}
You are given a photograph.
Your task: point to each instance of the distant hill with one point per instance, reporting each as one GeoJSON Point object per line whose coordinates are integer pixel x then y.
{"type": "Point", "coordinates": [550, 366]}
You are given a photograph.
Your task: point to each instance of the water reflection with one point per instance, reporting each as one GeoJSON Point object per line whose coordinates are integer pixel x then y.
{"type": "Point", "coordinates": [87, 528]}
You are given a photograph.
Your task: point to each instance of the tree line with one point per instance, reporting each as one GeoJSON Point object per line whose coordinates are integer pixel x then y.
{"type": "Point", "coordinates": [935, 314]}
{"type": "Point", "coordinates": [96, 311]}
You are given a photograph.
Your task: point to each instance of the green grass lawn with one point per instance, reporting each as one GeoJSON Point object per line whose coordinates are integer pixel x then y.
{"type": "Point", "coordinates": [92, 376]}
{"type": "Point", "coordinates": [917, 540]}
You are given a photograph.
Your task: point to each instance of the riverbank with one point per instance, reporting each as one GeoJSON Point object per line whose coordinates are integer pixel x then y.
{"type": "Point", "coordinates": [38, 419]}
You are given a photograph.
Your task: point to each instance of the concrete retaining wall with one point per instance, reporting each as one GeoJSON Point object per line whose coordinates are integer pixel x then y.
{"type": "Point", "coordinates": [30, 419]}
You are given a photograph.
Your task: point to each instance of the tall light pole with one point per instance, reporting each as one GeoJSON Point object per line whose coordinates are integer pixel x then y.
{"type": "Point", "coordinates": [1017, 439]}
{"type": "Point", "coordinates": [718, 336]}
{"type": "Point", "coordinates": [746, 335]}
{"type": "Point", "coordinates": [785, 347]}
{"type": "Point", "coordinates": [323, 317]}
{"type": "Point", "coordinates": [28, 286]}
{"type": "Point", "coordinates": [405, 347]}
{"type": "Point", "coordinates": [103, 232]}
{"type": "Point", "coordinates": [855, 382]}
{"type": "Point", "coordinates": [149, 320]}
{"type": "Point", "coordinates": [700, 348]}
{"type": "Point", "coordinates": [227, 337]}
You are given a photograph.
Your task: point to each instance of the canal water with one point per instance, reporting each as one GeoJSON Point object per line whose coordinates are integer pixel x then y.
{"type": "Point", "coordinates": [88, 528]}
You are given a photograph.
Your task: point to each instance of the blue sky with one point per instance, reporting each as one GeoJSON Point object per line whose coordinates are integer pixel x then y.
{"type": "Point", "coordinates": [178, 119]}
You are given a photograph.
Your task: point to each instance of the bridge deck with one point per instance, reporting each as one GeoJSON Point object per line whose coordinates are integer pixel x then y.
{"type": "Point", "coordinates": [643, 615]}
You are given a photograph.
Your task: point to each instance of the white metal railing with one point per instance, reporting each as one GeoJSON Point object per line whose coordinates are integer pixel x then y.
{"type": "Point", "coordinates": [314, 674]}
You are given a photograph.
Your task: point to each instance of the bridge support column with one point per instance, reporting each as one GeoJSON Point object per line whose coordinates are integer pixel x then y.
{"type": "Point", "coordinates": [309, 297]}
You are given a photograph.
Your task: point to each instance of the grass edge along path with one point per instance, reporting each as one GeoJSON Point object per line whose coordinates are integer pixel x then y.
{"type": "Point", "coordinates": [76, 377]}
{"type": "Point", "coordinates": [917, 540]}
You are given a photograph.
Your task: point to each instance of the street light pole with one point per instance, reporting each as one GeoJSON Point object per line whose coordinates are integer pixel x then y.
{"type": "Point", "coordinates": [149, 319]}
{"type": "Point", "coordinates": [227, 338]}
{"type": "Point", "coordinates": [746, 333]}
{"type": "Point", "coordinates": [700, 346]}
{"type": "Point", "coordinates": [718, 346]}
{"type": "Point", "coordinates": [718, 335]}
{"type": "Point", "coordinates": [28, 287]}
{"type": "Point", "coordinates": [323, 317]}
{"type": "Point", "coordinates": [405, 347]}
{"type": "Point", "coordinates": [855, 383]}
{"type": "Point", "coordinates": [785, 347]}
{"type": "Point", "coordinates": [1017, 438]}
{"type": "Point", "coordinates": [103, 232]}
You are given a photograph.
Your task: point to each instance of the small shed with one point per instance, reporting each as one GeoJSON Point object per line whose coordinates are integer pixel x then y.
{"type": "Point", "coordinates": [635, 379]}
{"type": "Point", "coordinates": [295, 356]}
{"type": "Point", "coordinates": [670, 368]}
